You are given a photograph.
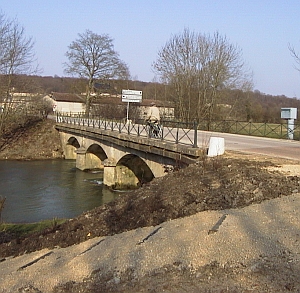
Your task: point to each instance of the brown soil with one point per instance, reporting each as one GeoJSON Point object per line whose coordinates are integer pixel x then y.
{"type": "Point", "coordinates": [230, 181]}
{"type": "Point", "coordinates": [37, 140]}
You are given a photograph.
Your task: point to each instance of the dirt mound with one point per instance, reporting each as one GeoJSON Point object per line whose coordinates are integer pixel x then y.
{"type": "Point", "coordinates": [34, 141]}
{"type": "Point", "coordinates": [213, 184]}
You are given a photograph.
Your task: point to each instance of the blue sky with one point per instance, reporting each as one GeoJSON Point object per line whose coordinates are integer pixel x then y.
{"type": "Point", "coordinates": [140, 28]}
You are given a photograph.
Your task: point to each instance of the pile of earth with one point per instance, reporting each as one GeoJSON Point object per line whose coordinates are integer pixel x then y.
{"type": "Point", "coordinates": [211, 184]}
{"type": "Point", "coordinates": [37, 139]}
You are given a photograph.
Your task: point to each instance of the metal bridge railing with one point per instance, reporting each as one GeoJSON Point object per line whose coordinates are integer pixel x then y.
{"type": "Point", "coordinates": [181, 132]}
{"type": "Point", "coordinates": [271, 130]}
{"type": "Point", "coordinates": [176, 132]}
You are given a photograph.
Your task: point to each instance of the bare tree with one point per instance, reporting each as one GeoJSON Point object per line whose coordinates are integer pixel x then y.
{"type": "Point", "coordinates": [92, 56]}
{"type": "Point", "coordinates": [16, 58]}
{"type": "Point", "coordinates": [295, 55]}
{"type": "Point", "coordinates": [198, 67]}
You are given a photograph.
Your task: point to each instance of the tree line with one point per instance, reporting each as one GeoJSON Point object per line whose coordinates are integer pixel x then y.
{"type": "Point", "coordinates": [250, 106]}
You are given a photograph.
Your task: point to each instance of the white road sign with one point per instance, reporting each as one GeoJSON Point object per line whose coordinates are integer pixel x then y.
{"type": "Point", "coordinates": [131, 96]}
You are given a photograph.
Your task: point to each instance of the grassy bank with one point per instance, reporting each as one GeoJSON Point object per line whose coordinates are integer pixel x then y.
{"type": "Point", "coordinates": [21, 230]}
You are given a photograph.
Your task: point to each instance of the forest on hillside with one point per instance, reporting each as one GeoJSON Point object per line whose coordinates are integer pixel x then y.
{"type": "Point", "coordinates": [238, 105]}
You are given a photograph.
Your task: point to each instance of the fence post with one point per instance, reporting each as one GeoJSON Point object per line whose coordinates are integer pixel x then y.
{"type": "Point", "coordinates": [195, 135]}
{"type": "Point", "coordinates": [177, 134]}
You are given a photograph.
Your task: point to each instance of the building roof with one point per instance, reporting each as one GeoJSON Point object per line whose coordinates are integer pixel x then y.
{"type": "Point", "coordinates": [66, 97]}
{"type": "Point", "coordinates": [118, 101]}
{"type": "Point", "coordinates": [75, 98]}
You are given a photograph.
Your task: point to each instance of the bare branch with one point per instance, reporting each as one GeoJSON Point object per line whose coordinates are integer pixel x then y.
{"type": "Point", "coordinates": [295, 55]}
{"type": "Point", "coordinates": [16, 58]}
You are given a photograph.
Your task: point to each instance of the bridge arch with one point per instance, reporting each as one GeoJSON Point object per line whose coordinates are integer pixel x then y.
{"type": "Point", "coordinates": [70, 148]}
{"type": "Point", "coordinates": [98, 151]}
{"type": "Point", "coordinates": [90, 157]}
{"type": "Point", "coordinates": [133, 171]}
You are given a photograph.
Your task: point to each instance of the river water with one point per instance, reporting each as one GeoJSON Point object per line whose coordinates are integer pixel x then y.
{"type": "Point", "coordinates": [47, 189]}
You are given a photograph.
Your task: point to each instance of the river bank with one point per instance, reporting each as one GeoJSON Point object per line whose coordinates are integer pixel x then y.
{"type": "Point", "coordinates": [37, 141]}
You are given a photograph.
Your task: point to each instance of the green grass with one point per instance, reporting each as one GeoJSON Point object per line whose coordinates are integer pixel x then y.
{"type": "Point", "coordinates": [25, 229]}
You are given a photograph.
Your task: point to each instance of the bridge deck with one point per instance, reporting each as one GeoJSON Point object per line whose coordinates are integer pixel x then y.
{"type": "Point", "coordinates": [180, 152]}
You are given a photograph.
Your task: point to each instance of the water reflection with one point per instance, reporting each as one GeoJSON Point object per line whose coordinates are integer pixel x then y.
{"type": "Point", "coordinates": [38, 190]}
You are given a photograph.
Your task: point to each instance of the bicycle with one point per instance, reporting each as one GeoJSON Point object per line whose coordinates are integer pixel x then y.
{"type": "Point", "coordinates": [155, 129]}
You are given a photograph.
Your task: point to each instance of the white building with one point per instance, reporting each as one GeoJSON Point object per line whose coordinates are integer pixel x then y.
{"type": "Point", "coordinates": [66, 103]}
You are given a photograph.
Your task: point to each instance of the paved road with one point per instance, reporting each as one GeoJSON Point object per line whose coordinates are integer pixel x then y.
{"type": "Point", "coordinates": [289, 149]}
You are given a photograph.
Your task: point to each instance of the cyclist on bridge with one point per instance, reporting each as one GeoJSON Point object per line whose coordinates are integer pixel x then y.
{"type": "Point", "coordinates": [153, 115]}
{"type": "Point", "coordinates": [153, 119]}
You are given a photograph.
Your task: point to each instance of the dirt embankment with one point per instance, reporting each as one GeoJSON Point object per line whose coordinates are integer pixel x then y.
{"type": "Point", "coordinates": [36, 141]}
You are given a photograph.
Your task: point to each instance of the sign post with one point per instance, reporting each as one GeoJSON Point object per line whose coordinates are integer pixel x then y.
{"type": "Point", "coordinates": [290, 114]}
{"type": "Point", "coordinates": [131, 96]}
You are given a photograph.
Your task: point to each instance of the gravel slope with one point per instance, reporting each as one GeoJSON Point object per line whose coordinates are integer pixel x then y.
{"type": "Point", "coordinates": [246, 240]}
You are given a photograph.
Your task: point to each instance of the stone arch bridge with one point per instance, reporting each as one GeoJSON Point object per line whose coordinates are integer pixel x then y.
{"type": "Point", "coordinates": [127, 160]}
